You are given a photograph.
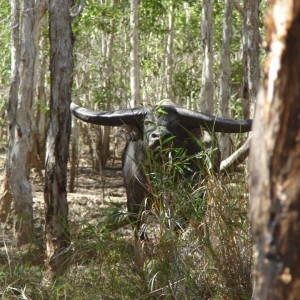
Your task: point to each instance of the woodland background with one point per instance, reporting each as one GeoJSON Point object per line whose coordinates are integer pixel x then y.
{"type": "Point", "coordinates": [204, 55]}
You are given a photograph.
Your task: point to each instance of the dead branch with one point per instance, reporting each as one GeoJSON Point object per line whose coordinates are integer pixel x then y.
{"type": "Point", "coordinates": [237, 157]}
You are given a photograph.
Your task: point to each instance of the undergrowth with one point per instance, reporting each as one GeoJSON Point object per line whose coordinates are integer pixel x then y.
{"type": "Point", "coordinates": [199, 247]}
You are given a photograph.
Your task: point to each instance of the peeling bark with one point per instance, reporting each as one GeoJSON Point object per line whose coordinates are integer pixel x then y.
{"type": "Point", "coordinates": [251, 74]}
{"type": "Point", "coordinates": [206, 101]}
{"type": "Point", "coordinates": [134, 55]}
{"type": "Point", "coordinates": [224, 139]}
{"type": "Point", "coordinates": [169, 54]}
{"type": "Point", "coordinates": [275, 161]}
{"type": "Point", "coordinates": [61, 66]}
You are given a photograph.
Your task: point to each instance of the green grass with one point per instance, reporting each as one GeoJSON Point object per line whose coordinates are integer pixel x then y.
{"type": "Point", "coordinates": [208, 258]}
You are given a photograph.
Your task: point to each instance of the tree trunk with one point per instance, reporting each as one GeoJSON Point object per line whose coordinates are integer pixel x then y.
{"type": "Point", "coordinates": [107, 53]}
{"type": "Point", "coordinates": [56, 227]}
{"type": "Point", "coordinates": [134, 55]}
{"type": "Point", "coordinates": [224, 140]}
{"type": "Point", "coordinates": [5, 192]}
{"type": "Point", "coordinates": [74, 155]}
{"type": "Point", "coordinates": [22, 141]}
{"type": "Point", "coordinates": [39, 74]}
{"type": "Point", "coordinates": [206, 103]}
{"type": "Point", "coordinates": [169, 55]}
{"type": "Point", "coordinates": [21, 132]}
{"type": "Point", "coordinates": [250, 56]}
{"type": "Point", "coordinates": [42, 119]}
{"type": "Point", "coordinates": [275, 163]}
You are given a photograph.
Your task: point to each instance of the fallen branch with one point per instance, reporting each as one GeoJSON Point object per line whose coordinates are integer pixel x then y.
{"type": "Point", "coordinates": [237, 157]}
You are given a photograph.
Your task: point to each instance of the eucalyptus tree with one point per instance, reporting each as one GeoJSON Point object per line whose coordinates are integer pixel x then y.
{"type": "Point", "coordinates": [99, 51]}
{"type": "Point", "coordinates": [55, 195]}
{"type": "Point", "coordinates": [41, 107]}
{"type": "Point", "coordinates": [5, 200]}
{"type": "Point", "coordinates": [251, 56]}
{"type": "Point", "coordinates": [206, 97]}
{"type": "Point", "coordinates": [5, 66]}
{"type": "Point", "coordinates": [16, 187]}
{"type": "Point", "coordinates": [134, 54]}
{"type": "Point", "coordinates": [274, 160]}
{"type": "Point", "coordinates": [224, 85]}
{"type": "Point", "coordinates": [169, 53]}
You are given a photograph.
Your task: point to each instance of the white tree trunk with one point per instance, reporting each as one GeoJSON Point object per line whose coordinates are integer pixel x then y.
{"type": "Point", "coordinates": [39, 18]}
{"type": "Point", "coordinates": [41, 119]}
{"type": "Point", "coordinates": [107, 55]}
{"type": "Point", "coordinates": [22, 131]}
{"type": "Point", "coordinates": [16, 186]}
{"type": "Point", "coordinates": [251, 56]}
{"type": "Point", "coordinates": [206, 101]}
{"type": "Point", "coordinates": [224, 140]}
{"type": "Point", "coordinates": [169, 55]}
{"type": "Point", "coordinates": [134, 55]}
{"type": "Point", "coordinates": [20, 186]}
{"type": "Point", "coordinates": [5, 193]}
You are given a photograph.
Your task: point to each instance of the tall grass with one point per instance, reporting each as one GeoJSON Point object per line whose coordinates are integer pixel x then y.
{"type": "Point", "coordinates": [199, 247]}
{"type": "Point", "coordinates": [210, 257]}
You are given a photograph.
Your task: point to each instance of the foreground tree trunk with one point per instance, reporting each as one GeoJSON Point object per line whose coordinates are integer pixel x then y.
{"type": "Point", "coordinates": [56, 227]}
{"type": "Point", "coordinates": [275, 162]}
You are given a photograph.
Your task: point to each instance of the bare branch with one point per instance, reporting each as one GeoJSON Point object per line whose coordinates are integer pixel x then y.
{"type": "Point", "coordinates": [237, 157]}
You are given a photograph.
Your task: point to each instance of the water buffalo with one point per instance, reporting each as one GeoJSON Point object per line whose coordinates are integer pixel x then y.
{"type": "Point", "coordinates": [147, 127]}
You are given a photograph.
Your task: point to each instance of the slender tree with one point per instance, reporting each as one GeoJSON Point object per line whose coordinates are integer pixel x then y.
{"type": "Point", "coordinates": [56, 227]}
{"type": "Point", "coordinates": [207, 89]}
{"type": "Point", "coordinates": [41, 121]}
{"type": "Point", "coordinates": [250, 56]}
{"type": "Point", "coordinates": [169, 54]}
{"type": "Point", "coordinates": [22, 127]}
{"type": "Point", "coordinates": [225, 74]}
{"type": "Point", "coordinates": [134, 55]}
{"type": "Point", "coordinates": [16, 188]}
{"type": "Point", "coordinates": [5, 192]}
{"type": "Point", "coordinates": [275, 162]}
{"type": "Point", "coordinates": [38, 125]}
{"type": "Point", "coordinates": [102, 135]}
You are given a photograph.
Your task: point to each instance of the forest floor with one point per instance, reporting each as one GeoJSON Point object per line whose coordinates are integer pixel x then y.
{"type": "Point", "coordinates": [94, 193]}
{"type": "Point", "coordinates": [202, 262]}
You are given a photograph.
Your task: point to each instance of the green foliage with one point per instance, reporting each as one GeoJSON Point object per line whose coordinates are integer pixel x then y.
{"type": "Point", "coordinates": [151, 17]}
{"type": "Point", "coordinates": [99, 21]}
{"type": "Point", "coordinates": [208, 256]}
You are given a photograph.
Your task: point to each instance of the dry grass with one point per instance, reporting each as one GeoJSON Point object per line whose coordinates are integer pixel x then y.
{"type": "Point", "coordinates": [209, 258]}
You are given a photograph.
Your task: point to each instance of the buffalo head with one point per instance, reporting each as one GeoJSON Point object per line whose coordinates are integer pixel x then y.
{"type": "Point", "coordinates": [164, 119]}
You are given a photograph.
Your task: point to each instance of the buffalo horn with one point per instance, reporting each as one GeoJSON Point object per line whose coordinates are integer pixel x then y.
{"type": "Point", "coordinates": [133, 116]}
{"type": "Point", "coordinates": [192, 119]}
